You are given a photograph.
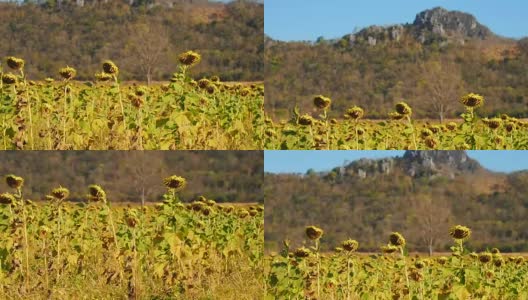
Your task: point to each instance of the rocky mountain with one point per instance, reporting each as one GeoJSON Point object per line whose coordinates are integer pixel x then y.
{"type": "Point", "coordinates": [412, 194]}
{"type": "Point", "coordinates": [416, 164]}
{"type": "Point", "coordinates": [437, 24]}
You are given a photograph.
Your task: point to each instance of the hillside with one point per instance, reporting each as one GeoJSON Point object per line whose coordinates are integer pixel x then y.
{"type": "Point", "coordinates": [429, 63]}
{"type": "Point", "coordinates": [142, 39]}
{"type": "Point", "coordinates": [226, 176]}
{"type": "Point", "coordinates": [420, 195]}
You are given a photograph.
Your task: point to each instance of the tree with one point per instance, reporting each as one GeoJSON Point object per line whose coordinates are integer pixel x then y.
{"type": "Point", "coordinates": [147, 47]}
{"type": "Point", "coordinates": [442, 86]}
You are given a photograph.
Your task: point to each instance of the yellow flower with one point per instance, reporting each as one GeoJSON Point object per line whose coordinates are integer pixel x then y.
{"type": "Point", "coordinates": [472, 100]}
{"type": "Point", "coordinates": [67, 73]}
{"type": "Point", "coordinates": [190, 58]}
{"type": "Point", "coordinates": [314, 233]}
{"type": "Point", "coordinates": [110, 68]}
{"type": "Point", "coordinates": [15, 63]}
{"type": "Point", "coordinates": [460, 232]}
{"type": "Point", "coordinates": [322, 102]}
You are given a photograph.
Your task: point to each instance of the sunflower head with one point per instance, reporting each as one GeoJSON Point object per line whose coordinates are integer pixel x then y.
{"type": "Point", "coordinates": [459, 232]}
{"type": "Point", "coordinates": [350, 245]}
{"type": "Point", "coordinates": [9, 79]}
{"type": "Point", "coordinates": [96, 193]}
{"type": "Point", "coordinates": [15, 63]}
{"type": "Point", "coordinates": [306, 120]}
{"type": "Point", "coordinates": [110, 68]}
{"type": "Point", "coordinates": [313, 232]}
{"type": "Point", "coordinates": [7, 198]}
{"type": "Point", "coordinates": [103, 77]}
{"type": "Point", "coordinates": [396, 239]}
{"type": "Point", "coordinates": [442, 260]}
{"type": "Point", "coordinates": [190, 58]}
{"type": "Point", "coordinates": [494, 123]}
{"type": "Point", "coordinates": [451, 126]}
{"type": "Point", "coordinates": [485, 257]}
{"type": "Point", "coordinates": [175, 183]}
{"type": "Point", "coordinates": [389, 249]}
{"type": "Point", "coordinates": [302, 252]}
{"type": "Point", "coordinates": [355, 113]}
{"type": "Point", "coordinates": [403, 109]}
{"type": "Point", "coordinates": [60, 193]}
{"type": "Point", "coordinates": [67, 73]}
{"type": "Point", "coordinates": [322, 102]}
{"type": "Point", "coordinates": [14, 181]}
{"type": "Point", "coordinates": [472, 100]}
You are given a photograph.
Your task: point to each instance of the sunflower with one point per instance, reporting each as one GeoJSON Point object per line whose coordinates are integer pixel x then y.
{"type": "Point", "coordinates": [472, 100]}
{"type": "Point", "coordinates": [190, 58]}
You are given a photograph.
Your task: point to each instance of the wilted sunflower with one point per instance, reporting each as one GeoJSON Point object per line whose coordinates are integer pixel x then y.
{"type": "Point", "coordinates": [7, 198]}
{"type": "Point", "coordinates": [459, 232]}
{"type": "Point", "coordinates": [175, 183]}
{"type": "Point", "coordinates": [96, 193]}
{"type": "Point", "coordinates": [314, 233]}
{"type": "Point", "coordinates": [131, 218]}
{"type": "Point", "coordinates": [190, 58]}
{"type": "Point", "coordinates": [211, 89]}
{"type": "Point", "coordinates": [485, 257]}
{"type": "Point", "coordinates": [430, 142]}
{"type": "Point", "coordinates": [395, 116]}
{"type": "Point", "coordinates": [472, 100]}
{"type": "Point", "coordinates": [9, 79]}
{"type": "Point", "coordinates": [203, 83]}
{"type": "Point", "coordinates": [136, 101]}
{"type": "Point", "coordinates": [419, 264]}
{"type": "Point", "coordinates": [103, 76]}
{"type": "Point", "coordinates": [442, 260]}
{"type": "Point", "coordinates": [415, 275]}
{"type": "Point", "coordinates": [243, 213]}
{"type": "Point", "coordinates": [403, 109]}
{"type": "Point", "coordinates": [322, 102]}
{"type": "Point", "coordinates": [14, 181]}
{"type": "Point", "coordinates": [396, 239]}
{"type": "Point", "coordinates": [306, 120]}
{"type": "Point", "coordinates": [67, 73]}
{"type": "Point", "coordinates": [350, 245]}
{"type": "Point", "coordinates": [389, 249]}
{"type": "Point", "coordinates": [244, 92]}
{"type": "Point", "coordinates": [498, 261]}
{"type": "Point", "coordinates": [141, 91]}
{"type": "Point", "coordinates": [215, 78]}
{"type": "Point", "coordinates": [110, 68]}
{"type": "Point", "coordinates": [355, 112]}
{"type": "Point", "coordinates": [426, 132]}
{"type": "Point", "coordinates": [495, 251]}
{"type": "Point", "coordinates": [60, 193]}
{"type": "Point", "coordinates": [301, 252]}
{"type": "Point", "coordinates": [451, 126]}
{"type": "Point", "coordinates": [494, 123]}
{"type": "Point", "coordinates": [15, 63]}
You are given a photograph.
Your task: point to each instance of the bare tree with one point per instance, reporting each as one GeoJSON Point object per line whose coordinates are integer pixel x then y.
{"type": "Point", "coordinates": [148, 45]}
{"type": "Point", "coordinates": [432, 217]}
{"type": "Point", "coordinates": [442, 83]}
{"type": "Point", "coordinates": [145, 173]}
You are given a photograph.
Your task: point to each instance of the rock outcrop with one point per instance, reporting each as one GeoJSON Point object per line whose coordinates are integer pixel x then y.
{"type": "Point", "coordinates": [416, 164]}
{"type": "Point", "coordinates": [437, 24]}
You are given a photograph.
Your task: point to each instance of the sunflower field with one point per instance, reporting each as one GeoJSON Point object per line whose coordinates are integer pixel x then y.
{"type": "Point", "coordinates": [308, 273]}
{"type": "Point", "coordinates": [107, 114]}
{"type": "Point", "coordinates": [398, 131]}
{"type": "Point", "coordinates": [95, 250]}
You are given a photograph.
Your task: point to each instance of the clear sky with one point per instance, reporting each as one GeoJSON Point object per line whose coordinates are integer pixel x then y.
{"type": "Point", "coordinates": [309, 19]}
{"type": "Point", "coordinates": [300, 161]}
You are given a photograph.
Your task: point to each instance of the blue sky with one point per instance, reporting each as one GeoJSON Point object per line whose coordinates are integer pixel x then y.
{"type": "Point", "coordinates": [300, 161]}
{"type": "Point", "coordinates": [309, 19]}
